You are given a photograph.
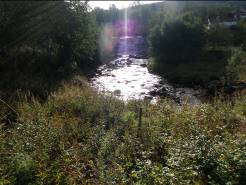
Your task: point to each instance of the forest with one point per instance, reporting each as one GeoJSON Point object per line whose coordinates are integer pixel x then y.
{"type": "Point", "coordinates": [58, 127]}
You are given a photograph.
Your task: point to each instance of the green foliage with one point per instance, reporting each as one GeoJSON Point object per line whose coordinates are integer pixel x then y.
{"type": "Point", "coordinates": [80, 137]}
{"type": "Point", "coordinates": [177, 41]}
{"type": "Point", "coordinates": [65, 27]}
{"type": "Point", "coordinates": [106, 16]}
{"type": "Point", "coordinates": [219, 36]}
{"type": "Point", "coordinates": [77, 136]}
{"type": "Point", "coordinates": [242, 34]}
{"type": "Point", "coordinates": [188, 51]}
{"type": "Point", "coordinates": [236, 67]}
{"type": "Point", "coordinates": [44, 43]}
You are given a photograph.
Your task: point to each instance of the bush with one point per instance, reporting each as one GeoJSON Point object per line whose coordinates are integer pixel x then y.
{"type": "Point", "coordinates": [177, 41]}
{"type": "Point", "coordinates": [80, 137]}
{"type": "Point", "coordinates": [236, 66]}
{"type": "Point", "coordinates": [219, 35]}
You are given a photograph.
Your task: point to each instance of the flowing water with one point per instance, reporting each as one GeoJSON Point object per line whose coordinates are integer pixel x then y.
{"type": "Point", "coordinates": [127, 77]}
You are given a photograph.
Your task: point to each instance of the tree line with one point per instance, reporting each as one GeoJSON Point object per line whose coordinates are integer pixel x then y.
{"type": "Point", "coordinates": [188, 48]}
{"type": "Point", "coordinates": [45, 41]}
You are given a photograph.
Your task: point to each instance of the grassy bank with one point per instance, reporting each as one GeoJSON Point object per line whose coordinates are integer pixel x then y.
{"type": "Point", "coordinates": [80, 137]}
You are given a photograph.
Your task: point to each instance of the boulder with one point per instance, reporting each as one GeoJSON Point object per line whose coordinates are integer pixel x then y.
{"type": "Point", "coordinates": [117, 92]}
{"type": "Point", "coordinates": [147, 97]}
{"type": "Point", "coordinates": [143, 65]}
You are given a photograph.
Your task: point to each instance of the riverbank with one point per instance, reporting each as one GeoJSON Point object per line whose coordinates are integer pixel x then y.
{"type": "Point", "coordinates": [128, 78]}
{"type": "Point", "coordinates": [78, 136]}
{"type": "Point", "coordinates": [56, 129]}
{"type": "Point", "coordinates": [209, 74]}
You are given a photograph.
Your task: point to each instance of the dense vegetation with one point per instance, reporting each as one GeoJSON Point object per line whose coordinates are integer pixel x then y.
{"type": "Point", "coordinates": [44, 42]}
{"type": "Point", "coordinates": [190, 50]}
{"type": "Point", "coordinates": [179, 40]}
{"type": "Point", "coordinates": [79, 137]}
{"type": "Point", "coordinates": [55, 129]}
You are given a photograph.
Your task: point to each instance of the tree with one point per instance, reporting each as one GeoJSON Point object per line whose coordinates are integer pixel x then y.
{"type": "Point", "coordinates": [44, 42]}
{"type": "Point", "coordinates": [219, 36]}
{"type": "Point", "coordinates": [177, 40]}
{"type": "Point", "coordinates": [62, 29]}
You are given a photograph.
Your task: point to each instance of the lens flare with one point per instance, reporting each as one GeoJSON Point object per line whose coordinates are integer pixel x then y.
{"type": "Point", "coordinates": [126, 29]}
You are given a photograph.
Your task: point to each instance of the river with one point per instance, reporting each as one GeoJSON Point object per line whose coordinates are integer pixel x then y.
{"type": "Point", "coordinates": [127, 76]}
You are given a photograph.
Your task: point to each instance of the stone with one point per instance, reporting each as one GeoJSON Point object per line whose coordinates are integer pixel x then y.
{"type": "Point", "coordinates": [117, 92]}
{"type": "Point", "coordinates": [143, 65]}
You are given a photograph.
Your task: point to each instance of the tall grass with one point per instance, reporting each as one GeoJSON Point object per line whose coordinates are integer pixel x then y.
{"type": "Point", "coordinates": [80, 137]}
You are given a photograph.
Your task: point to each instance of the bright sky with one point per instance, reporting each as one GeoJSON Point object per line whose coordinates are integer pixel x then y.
{"type": "Point", "coordinates": [118, 4]}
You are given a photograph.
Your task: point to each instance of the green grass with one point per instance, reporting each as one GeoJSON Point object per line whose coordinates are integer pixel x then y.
{"type": "Point", "coordinates": [80, 137]}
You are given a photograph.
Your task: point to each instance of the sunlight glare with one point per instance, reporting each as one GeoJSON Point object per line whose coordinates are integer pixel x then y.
{"type": "Point", "coordinates": [118, 4]}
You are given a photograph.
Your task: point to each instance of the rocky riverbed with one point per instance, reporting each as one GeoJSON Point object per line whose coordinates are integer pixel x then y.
{"type": "Point", "coordinates": [127, 77]}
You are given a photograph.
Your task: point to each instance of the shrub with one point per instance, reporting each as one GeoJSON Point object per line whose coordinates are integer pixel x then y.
{"type": "Point", "coordinates": [177, 41]}
{"type": "Point", "coordinates": [236, 66]}
{"type": "Point", "coordinates": [80, 137]}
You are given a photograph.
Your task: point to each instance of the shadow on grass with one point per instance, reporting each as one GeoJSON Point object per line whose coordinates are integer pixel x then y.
{"type": "Point", "coordinates": [31, 74]}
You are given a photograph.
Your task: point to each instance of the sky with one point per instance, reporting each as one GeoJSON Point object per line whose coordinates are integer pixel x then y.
{"type": "Point", "coordinates": [118, 4]}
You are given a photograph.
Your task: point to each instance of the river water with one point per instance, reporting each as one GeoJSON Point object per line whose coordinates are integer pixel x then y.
{"type": "Point", "coordinates": [127, 76]}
